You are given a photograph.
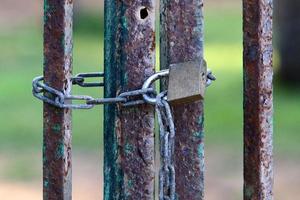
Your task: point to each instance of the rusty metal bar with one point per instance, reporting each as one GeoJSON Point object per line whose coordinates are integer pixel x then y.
{"type": "Point", "coordinates": [128, 132]}
{"type": "Point", "coordinates": [57, 122]}
{"type": "Point", "coordinates": [258, 100]}
{"type": "Point", "coordinates": [182, 40]}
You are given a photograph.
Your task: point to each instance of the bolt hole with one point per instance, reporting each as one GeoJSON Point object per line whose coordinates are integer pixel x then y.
{"type": "Point", "coordinates": [143, 13]}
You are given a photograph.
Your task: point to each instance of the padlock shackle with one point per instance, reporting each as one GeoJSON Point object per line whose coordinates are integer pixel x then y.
{"type": "Point", "coordinates": [147, 84]}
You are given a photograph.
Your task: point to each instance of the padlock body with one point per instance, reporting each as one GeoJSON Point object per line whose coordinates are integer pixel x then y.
{"type": "Point", "coordinates": [187, 82]}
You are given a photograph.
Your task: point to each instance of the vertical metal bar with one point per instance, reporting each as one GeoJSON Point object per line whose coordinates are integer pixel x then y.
{"type": "Point", "coordinates": [258, 100]}
{"type": "Point", "coordinates": [128, 132]}
{"type": "Point", "coordinates": [57, 122]}
{"type": "Point", "coordinates": [181, 41]}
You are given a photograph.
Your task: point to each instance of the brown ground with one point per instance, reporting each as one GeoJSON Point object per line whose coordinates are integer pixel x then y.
{"type": "Point", "coordinates": [223, 178]}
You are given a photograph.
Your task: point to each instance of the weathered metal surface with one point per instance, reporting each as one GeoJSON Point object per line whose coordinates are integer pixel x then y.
{"type": "Point", "coordinates": [187, 82]}
{"type": "Point", "coordinates": [181, 41]}
{"type": "Point", "coordinates": [57, 122]}
{"type": "Point", "coordinates": [258, 101]}
{"type": "Point", "coordinates": [128, 132]}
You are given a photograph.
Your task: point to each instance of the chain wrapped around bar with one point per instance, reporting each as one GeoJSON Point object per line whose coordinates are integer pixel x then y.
{"type": "Point", "coordinates": [148, 94]}
{"type": "Point", "coordinates": [58, 99]}
{"type": "Point", "coordinates": [167, 136]}
{"type": "Point", "coordinates": [61, 100]}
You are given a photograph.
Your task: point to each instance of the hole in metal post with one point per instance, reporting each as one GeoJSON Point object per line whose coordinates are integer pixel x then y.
{"type": "Point", "coordinates": [143, 13]}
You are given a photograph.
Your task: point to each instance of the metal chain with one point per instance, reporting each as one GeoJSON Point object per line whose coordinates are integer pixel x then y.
{"type": "Point", "coordinates": [167, 135]}
{"type": "Point", "coordinates": [59, 99]}
{"type": "Point", "coordinates": [79, 79]}
{"type": "Point", "coordinates": [146, 95]}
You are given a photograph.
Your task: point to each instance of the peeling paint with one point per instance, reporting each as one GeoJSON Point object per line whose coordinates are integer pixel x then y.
{"type": "Point", "coordinates": [56, 128]}
{"type": "Point", "coordinates": [128, 149]}
{"type": "Point", "coordinates": [128, 132]}
{"type": "Point", "coordinates": [198, 134]}
{"type": "Point", "coordinates": [46, 183]}
{"type": "Point", "coordinates": [200, 120]}
{"type": "Point", "coordinates": [249, 192]}
{"type": "Point", "coordinates": [60, 152]}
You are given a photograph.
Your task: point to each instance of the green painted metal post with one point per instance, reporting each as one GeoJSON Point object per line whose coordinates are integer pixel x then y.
{"type": "Point", "coordinates": [182, 40]}
{"type": "Point", "coordinates": [58, 45]}
{"type": "Point", "coordinates": [128, 132]}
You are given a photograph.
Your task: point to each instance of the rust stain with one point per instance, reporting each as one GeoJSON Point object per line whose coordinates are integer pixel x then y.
{"type": "Point", "coordinates": [130, 40]}
{"type": "Point", "coordinates": [181, 41]}
{"type": "Point", "coordinates": [258, 100]}
{"type": "Point", "coordinates": [57, 122]}
{"type": "Point", "coordinates": [138, 123]}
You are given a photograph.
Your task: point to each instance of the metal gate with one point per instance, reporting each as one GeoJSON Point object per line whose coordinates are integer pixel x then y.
{"type": "Point", "coordinates": [129, 145]}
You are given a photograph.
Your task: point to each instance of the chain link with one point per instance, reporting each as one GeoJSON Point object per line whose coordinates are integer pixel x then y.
{"type": "Point", "coordinates": [146, 95]}
{"type": "Point", "coordinates": [124, 98]}
{"type": "Point", "coordinates": [79, 79]}
{"type": "Point", "coordinates": [59, 99]}
{"type": "Point", "coordinates": [167, 135]}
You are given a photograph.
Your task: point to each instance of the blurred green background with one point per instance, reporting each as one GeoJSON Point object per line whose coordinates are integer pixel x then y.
{"type": "Point", "coordinates": [21, 114]}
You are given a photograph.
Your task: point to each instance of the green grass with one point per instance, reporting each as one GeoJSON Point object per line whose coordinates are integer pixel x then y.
{"type": "Point", "coordinates": [21, 114]}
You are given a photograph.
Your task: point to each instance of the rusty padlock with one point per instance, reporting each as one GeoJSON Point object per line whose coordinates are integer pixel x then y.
{"type": "Point", "coordinates": [187, 82]}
